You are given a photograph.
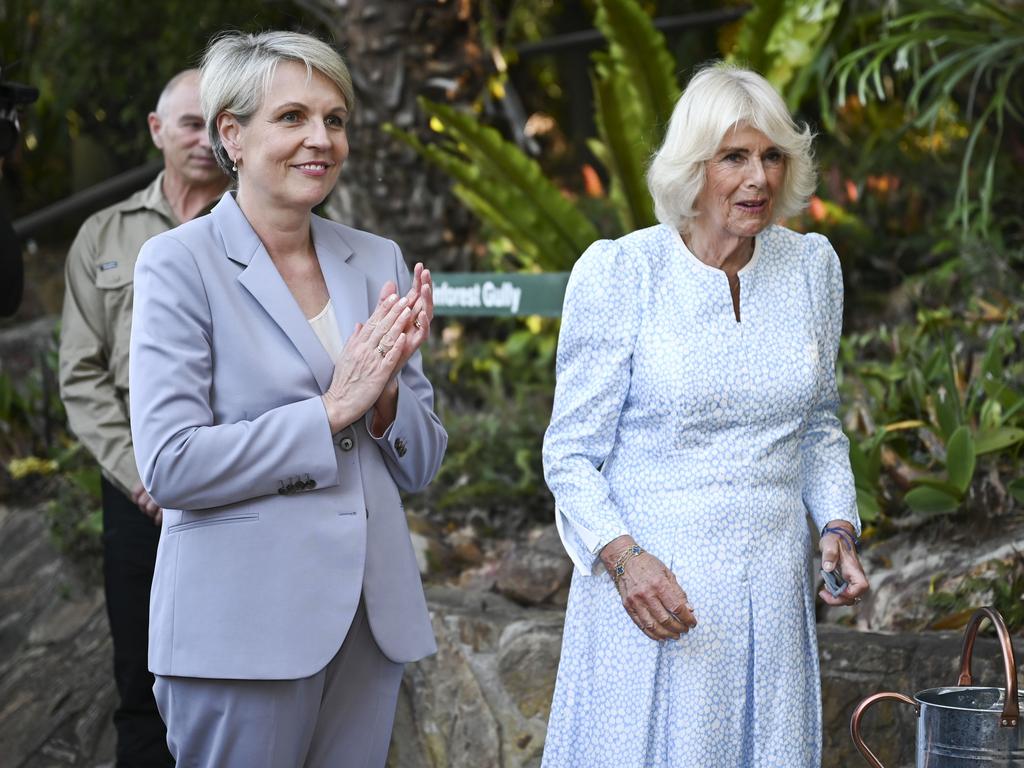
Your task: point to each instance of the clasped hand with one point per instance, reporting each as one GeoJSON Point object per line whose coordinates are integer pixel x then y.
{"type": "Point", "coordinates": [365, 371]}
{"type": "Point", "coordinates": [650, 593]}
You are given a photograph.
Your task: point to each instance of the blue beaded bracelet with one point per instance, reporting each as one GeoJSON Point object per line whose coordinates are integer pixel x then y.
{"type": "Point", "coordinates": [842, 533]}
{"type": "Point", "coordinates": [619, 569]}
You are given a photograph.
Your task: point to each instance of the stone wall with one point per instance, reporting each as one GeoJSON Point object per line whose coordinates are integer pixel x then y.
{"type": "Point", "coordinates": [482, 701]}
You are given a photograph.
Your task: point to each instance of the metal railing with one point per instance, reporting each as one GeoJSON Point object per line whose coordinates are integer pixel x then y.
{"type": "Point", "coordinates": [81, 204]}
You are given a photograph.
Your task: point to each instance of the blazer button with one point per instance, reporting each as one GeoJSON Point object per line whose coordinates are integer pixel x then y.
{"type": "Point", "coordinates": [346, 443]}
{"type": "Point", "coordinates": [400, 448]}
{"type": "Point", "coordinates": [310, 484]}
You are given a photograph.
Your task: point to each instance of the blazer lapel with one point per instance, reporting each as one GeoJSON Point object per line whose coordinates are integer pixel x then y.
{"type": "Point", "coordinates": [261, 278]}
{"type": "Point", "coordinates": [346, 284]}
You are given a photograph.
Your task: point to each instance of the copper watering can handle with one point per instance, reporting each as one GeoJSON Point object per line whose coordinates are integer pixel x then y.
{"type": "Point", "coordinates": [1011, 710]}
{"type": "Point", "coordinates": [858, 713]}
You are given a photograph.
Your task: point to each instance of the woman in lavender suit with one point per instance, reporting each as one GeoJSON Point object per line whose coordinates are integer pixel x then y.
{"type": "Point", "coordinates": [278, 407]}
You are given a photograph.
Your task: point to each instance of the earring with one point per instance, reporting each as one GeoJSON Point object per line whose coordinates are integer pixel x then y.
{"type": "Point", "coordinates": [234, 166]}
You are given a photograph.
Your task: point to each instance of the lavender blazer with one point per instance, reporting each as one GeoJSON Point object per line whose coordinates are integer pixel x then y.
{"type": "Point", "coordinates": [273, 528]}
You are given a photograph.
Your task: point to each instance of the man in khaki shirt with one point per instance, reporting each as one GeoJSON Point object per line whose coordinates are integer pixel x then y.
{"type": "Point", "coordinates": [96, 327]}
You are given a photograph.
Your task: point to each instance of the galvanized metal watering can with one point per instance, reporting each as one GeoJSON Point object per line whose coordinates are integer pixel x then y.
{"type": "Point", "coordinates": [963, 726]}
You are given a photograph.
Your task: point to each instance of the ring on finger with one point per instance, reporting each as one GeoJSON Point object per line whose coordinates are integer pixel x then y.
{"type": "Point", "coordinates": [417, 323]}
{"type": "Point", "coordinates": [649, 625]}
{"type": "Point", "coordinates": [380, 349]}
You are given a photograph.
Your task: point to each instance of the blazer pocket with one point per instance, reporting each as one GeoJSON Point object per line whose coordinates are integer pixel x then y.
{"type": "Point", "coordinates": [239, 517]}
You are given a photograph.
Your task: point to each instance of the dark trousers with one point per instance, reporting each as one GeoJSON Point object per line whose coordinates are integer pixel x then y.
{"type": "Point", "coordinates": [129, 555]}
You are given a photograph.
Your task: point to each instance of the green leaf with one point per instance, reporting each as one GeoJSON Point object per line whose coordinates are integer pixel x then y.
{"type": "Point", "coordinates": [865, 460]}
{"type": "Point", "coordinates": [92, 524]}
{"type": "Point", "coordinates": [915, 387]}
{"type": "Point", "coordinates": [947, 411]}
{"type": "Point", "coordinates": [999, 439]}
{"type": "Point", "coordinates": [506, 189]}
{"type": "Point", "coordinates": [635, 90]}
{"type": "Point", "coordinates": [638, 53]}
{"type": "Point", "coordinates": [782, 38]}
{"type": "Point", "coordinates": [960, 459]}
{"type": "Point", "coordinates": [625, 150]}
{"type": "Point", "coordinates": [991, 415]}
{"type": "Point", "coordinates": [939, 484]}
{"type": "Point", "coordinates": [88, 479]}
{"type": "Point", "coordinates": [1016, 489]}
{"type": "Point", "coordinates": [931, 501]}
{"type": "Point", "coordinates": [867, 505]}
{"type": "Point", "coordinates": [948, 49]}
{"type": "Point", "coordinates": [858, 462]}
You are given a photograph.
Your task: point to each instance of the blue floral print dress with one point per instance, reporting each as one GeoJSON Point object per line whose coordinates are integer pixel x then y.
{"type": "Point", "coordinates": [709, 441]}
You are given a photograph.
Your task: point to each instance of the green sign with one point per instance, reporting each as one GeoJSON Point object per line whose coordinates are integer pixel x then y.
{"type": "Point", "coordinates": [499, 294]}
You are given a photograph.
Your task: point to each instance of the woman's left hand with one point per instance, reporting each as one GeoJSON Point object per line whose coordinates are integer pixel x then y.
{"type": "Point", "coordinates": [421, 302]}
{"type": "Point", "coordinates": [838, 552]}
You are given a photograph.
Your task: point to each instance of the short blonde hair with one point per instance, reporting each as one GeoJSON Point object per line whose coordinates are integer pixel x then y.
{"type": "Point", "coordinates": [238, 69]}
{"type": "Point", "coordinates": [719, 97]}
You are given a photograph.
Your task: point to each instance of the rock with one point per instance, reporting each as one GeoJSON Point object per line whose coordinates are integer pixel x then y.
{"type": "Point", "coordinates": [907, 568]}
{"type": "Point", "coordinates": [458, 708]}
{"type": "Point", "coordinates": [535, 570]}
{"type": "Point", "coordinates": [481, 702]}
{"type": "Point", "coordinates": [56, 684]}
{"type": "Point", "coordinates": [527, 662]}
{"type": "Point", "coordinates": [479, 579]}
{"type": "Point", "coordinates": [22, 345]}
{"type": "Point", "coordinates": [464, 545]}
{"type": "Point", "coordinates": [431, 554]}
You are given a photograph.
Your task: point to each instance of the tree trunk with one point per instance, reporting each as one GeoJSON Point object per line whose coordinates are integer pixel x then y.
{"type": "Point", "coordinates": [398, 50]}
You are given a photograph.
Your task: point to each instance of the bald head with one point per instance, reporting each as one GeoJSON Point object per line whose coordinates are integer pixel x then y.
{"type": "Point", "coordinates": [179, 131]}
{"type": "Point", "coordinates": [189, 77]}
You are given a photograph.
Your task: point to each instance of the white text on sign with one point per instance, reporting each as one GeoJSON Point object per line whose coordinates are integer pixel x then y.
{"type": "Point", "coordinates": [487, 294]}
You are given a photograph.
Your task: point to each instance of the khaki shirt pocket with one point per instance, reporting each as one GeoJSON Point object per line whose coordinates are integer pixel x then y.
{"type": "Point", "coordinates": [115, 282]}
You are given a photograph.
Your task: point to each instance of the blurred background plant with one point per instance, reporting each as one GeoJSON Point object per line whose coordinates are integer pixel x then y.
{"type": "Point", "coordinates": [935, 414]}
{"type": "Point", "coordinates": [917, 107]}
{"type": "Point", "coordinates": [40, 462]}
{"type": "Point", "coordinates": [97, 86]}
{"type": "Point", "coordinates": [931, 368]}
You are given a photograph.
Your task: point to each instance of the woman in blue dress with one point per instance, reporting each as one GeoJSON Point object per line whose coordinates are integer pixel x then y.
{"type": "Point", "coordinates": [694, 430]}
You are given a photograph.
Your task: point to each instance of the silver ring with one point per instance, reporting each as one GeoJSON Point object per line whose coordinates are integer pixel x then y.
{"type": "Point", "coordinates": [649, 626]}
{"type": "Point", "coordinates": [383, 352]}
{"type": "Point", "coordinates": [417, 323]}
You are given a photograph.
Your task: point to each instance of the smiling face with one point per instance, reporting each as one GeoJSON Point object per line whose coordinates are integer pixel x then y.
{"type": "Point", "coordinates": [743, 181]}
{"type": "Point", "coordinates": [289, 154]}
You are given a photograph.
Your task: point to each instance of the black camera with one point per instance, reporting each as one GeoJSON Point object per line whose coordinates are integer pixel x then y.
{"type": "Point", "coordinates": [12, 96]}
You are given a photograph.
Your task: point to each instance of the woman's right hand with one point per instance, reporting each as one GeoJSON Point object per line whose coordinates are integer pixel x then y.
{"type": "Point", "coordinates": [361, 371]}
{"type": "Point", "coordinates": [650, 593]}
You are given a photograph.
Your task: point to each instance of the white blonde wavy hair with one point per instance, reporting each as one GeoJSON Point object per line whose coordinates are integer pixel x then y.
{"type": "Point", "coordinates": [719, 97]}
